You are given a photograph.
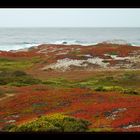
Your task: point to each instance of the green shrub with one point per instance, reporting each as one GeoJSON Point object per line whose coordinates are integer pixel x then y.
{"type": "Point", "coordinates": [109, 78]}
{"type": "Point", "coordinates": [21, 63]}
{"type": "Point", "coordinates": [113, 53]}
{"type": "Point", "coordinates": [17, 78]}
{"type": "Point", "coordinates": [19, 73]}
{"type": "Point", "coordinates": [130, 91]}
{"type": "Point", "coordinates": [57, 82]}
{"type": "Point", "coordinates": [17, 84]}
{"type": "Point", "coordinates": [100, 88]}
{"type": "Point", "coordinates": [129, 76]}
{"type": "Point", "coordinates": [53, 123]}
{"type": "Point", "coordinates": [106, 129]}
{"type": "Point", "coordinates": [116, 88]}
{"type": "Point", "coordinates": [109, 88]}
{"type": "Point", "coordinates": [8, 127]}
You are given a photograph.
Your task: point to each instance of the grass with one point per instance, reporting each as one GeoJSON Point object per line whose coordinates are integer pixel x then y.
{"type": "Point", "coordinates": [58, 82]}
{"type": "Point", "coordinates": [113, 53]}
{"type": "Point", "coordinates": [17, 64]}
{"type": "Point", "coordinates": [101, 129]}
{"type": "Point", "coordinates": [74, 53]}
{"type": "Point", "coordinates": [17, 78]}
{"type": "Point", "coordinates": [120, 83]}
{"type": "Point", "coordinates": [52, 123]}
{"type": "Point", "coordinates": [12, 74]}
{"type": "Point", "coordinates": [117, 88]}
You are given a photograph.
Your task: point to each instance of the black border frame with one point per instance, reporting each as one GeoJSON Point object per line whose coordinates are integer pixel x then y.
{"type": "Point", "coordinates": [70, 4]}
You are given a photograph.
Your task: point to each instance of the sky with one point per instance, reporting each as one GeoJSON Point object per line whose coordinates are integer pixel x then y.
{"type": "Point", "coordinates": [82, 17]}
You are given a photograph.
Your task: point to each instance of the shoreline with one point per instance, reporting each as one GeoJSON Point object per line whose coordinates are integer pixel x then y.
{"type": "Point", "coordinates": [65, 43]}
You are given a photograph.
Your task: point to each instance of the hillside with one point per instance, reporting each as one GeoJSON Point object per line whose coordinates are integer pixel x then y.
{"type": "Point", "coordinates": [98, 84]}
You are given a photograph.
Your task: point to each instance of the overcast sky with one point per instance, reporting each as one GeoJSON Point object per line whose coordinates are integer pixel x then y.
{"type": "Point", "coordinates": [70, 17]}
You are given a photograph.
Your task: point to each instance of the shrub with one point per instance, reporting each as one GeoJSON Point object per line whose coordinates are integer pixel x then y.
{"type": "Point", "coordinates": [17, 84]}
{"type": "Point", "coordinates": [109, 78]}
{"type": "Point", "coordinates": [129, 76]}
{"type": "Point", "coordinates": [17, 78]}
{"type": "Point", "coordinates": [100, 88]}
{"type": "Point", "coordinates": [113, 53]}
{"type": "Point", "coordinates": [8, 127]}
{"type": "Point", "coordinates": [130, 91]}
{"type": "Point", "coordinates": [57, 82]}
{"type": "Point", "coordinates": [117, 88]}
{"type": "Point", "coordinates": [21, 63]}
{"type": "Point", "coordinates": [108, 88]}
{"type": "Point", "coordinates": [19, 73]}
{"type": "Point", "coordinates": [53, 123]}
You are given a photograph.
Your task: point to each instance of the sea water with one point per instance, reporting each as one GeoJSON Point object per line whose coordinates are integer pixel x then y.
{"type": "Point", "coordinates": [18, 38]}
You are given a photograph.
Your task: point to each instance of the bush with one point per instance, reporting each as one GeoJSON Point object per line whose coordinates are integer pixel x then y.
{"type": "Point", "coordinates": [130, 91]}
{"type": "Point", "coordinates": [20, 64]}
{"type": "Point", "coordinates": [100, 88]}
{"type": "Point", "coordinates": [109, 78]}
{"type": "Point", "coordinates": [17, 84]}
{"type": "Point", "coordinates": [17, 78]}
{"type": "Point", "coordinates": [19, 73]}
{"type": "Point", "coordinates": [53, 123]}
{"type": "Point", "coordinates": [116, 88]}
{"type": "Point", "coordinates": [109, 88]}
{"type": "Point", "coordinates": [129, 76]}
{"type": "Point", "coordinates": [8, 127]}
{"type": "Point", "coordinates": [113, 53]}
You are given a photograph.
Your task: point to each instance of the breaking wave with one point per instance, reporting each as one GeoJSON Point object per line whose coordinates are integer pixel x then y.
{"type": "Point", "coordinates": [23, 45]}
{"type": "Point", "coordinates": [117, 41]}
{"type": "Point", "coordinates": [71, 42]}
{"type": "Point", "coordinates": [9, 47]}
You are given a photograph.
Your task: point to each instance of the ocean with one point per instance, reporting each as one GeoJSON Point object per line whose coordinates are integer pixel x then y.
{"type": "Point", "coordinates": [18, 38]}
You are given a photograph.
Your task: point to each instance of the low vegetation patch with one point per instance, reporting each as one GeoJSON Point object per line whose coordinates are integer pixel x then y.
{"type": "Point", "coordinates": [14, 64]}
{"type": "Point", "coordinates": [101, 83]}
{"type": "Point", "coordinates": [101, 129]}
{"type": "Point", "coordinates": [58, 82]}
{"type": "Point", "coordinates": [52, 123]}
{"type": "Point", "coordinates": [17, 78]}
{"type": "Point", "coordinates": [113, 53]}
{"type": "Point", "coordinates": [116, 88]}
